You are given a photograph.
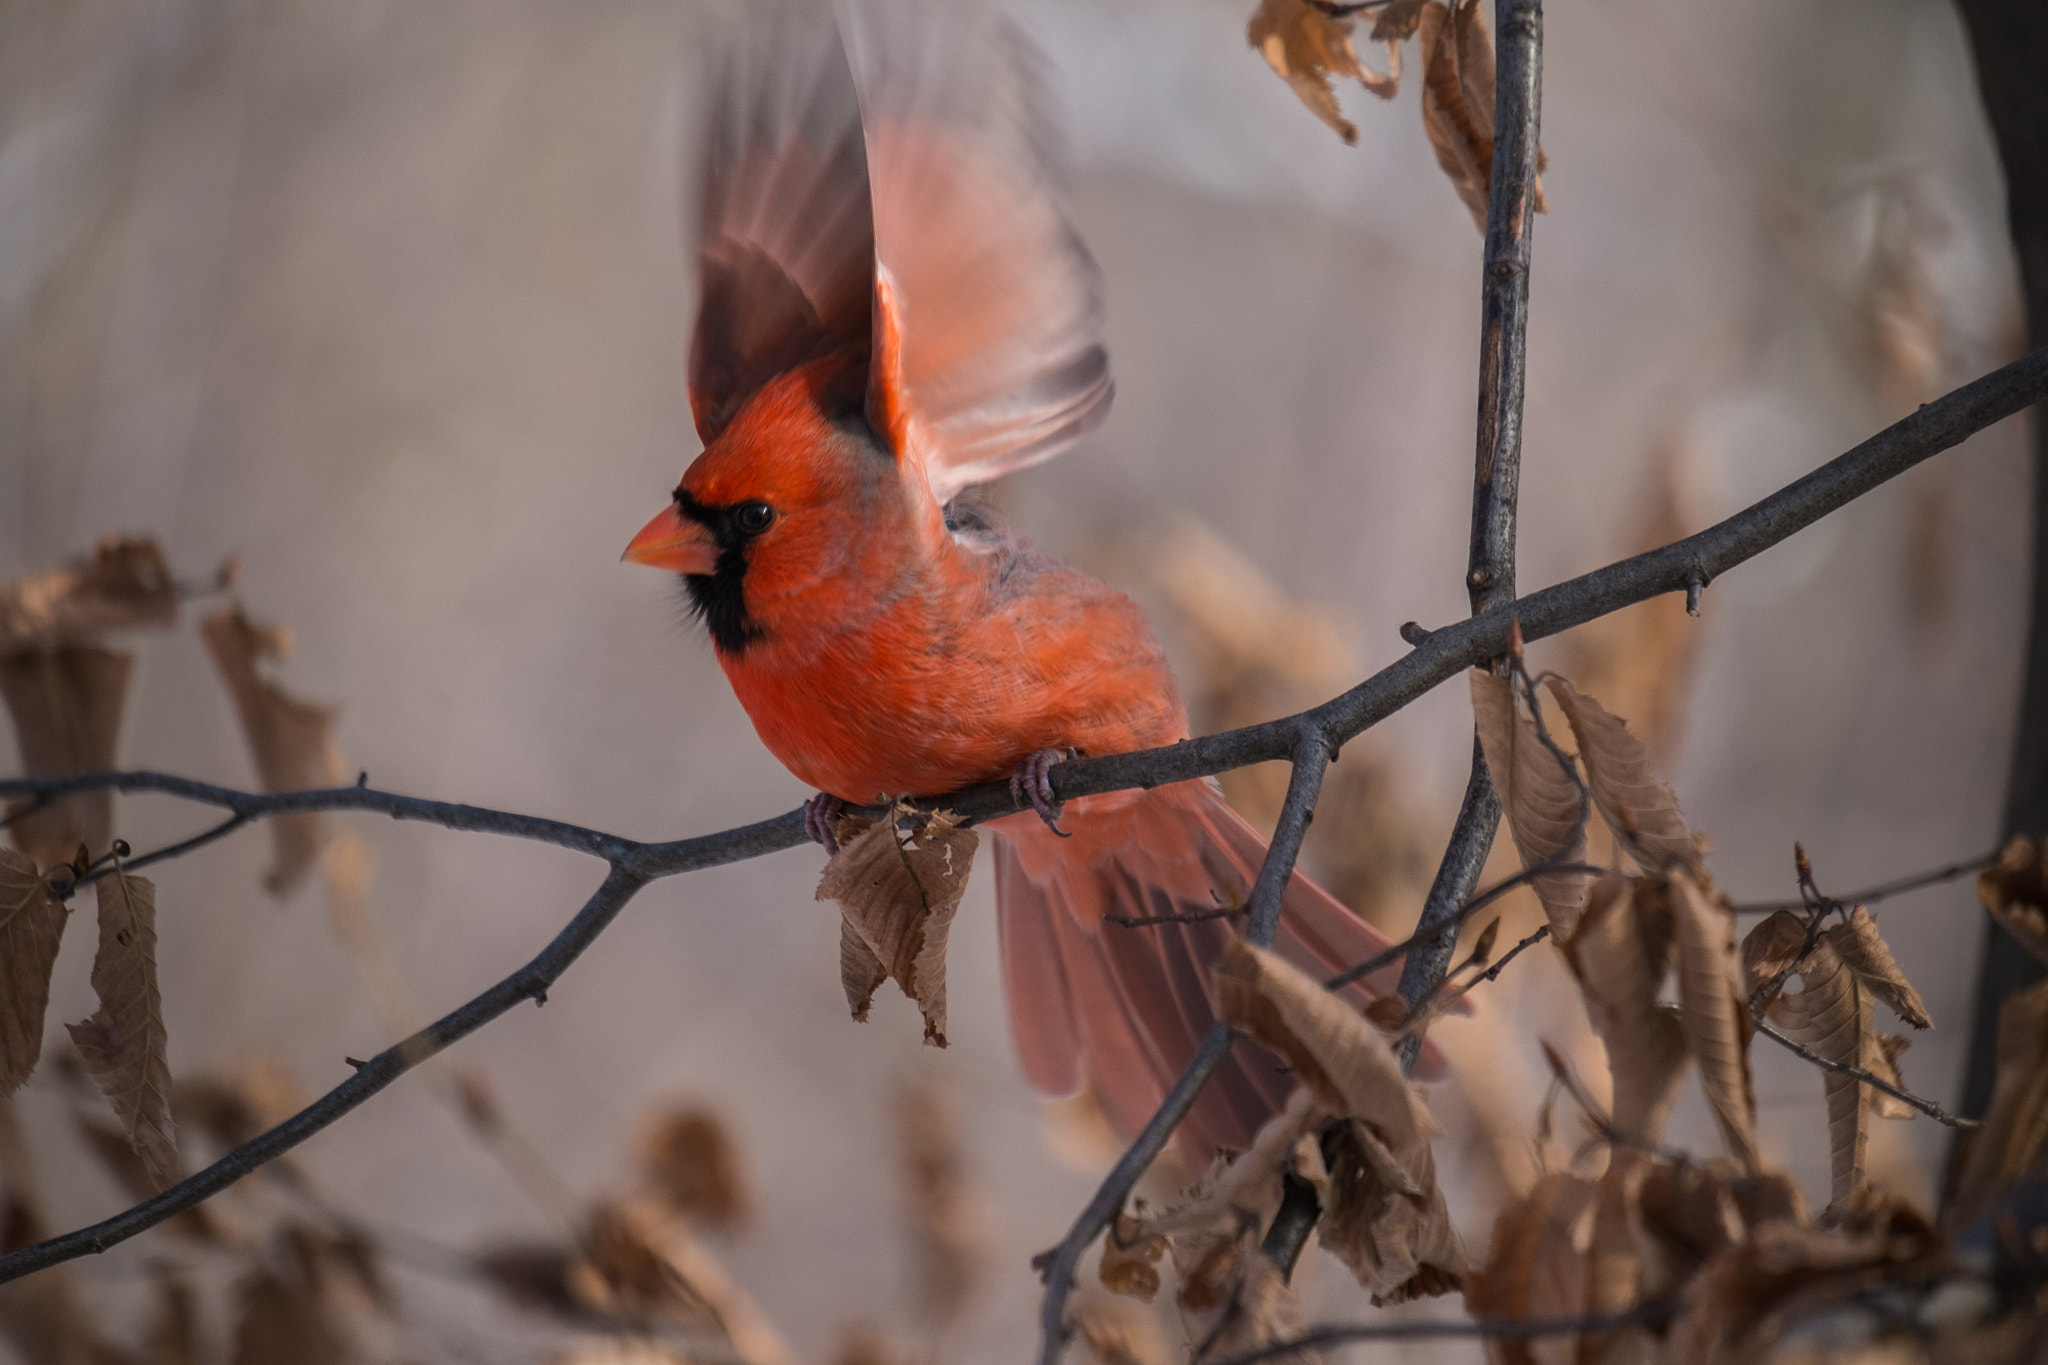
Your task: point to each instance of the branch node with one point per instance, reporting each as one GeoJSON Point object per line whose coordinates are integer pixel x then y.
{"type": "Point", "coordinates": [1695, 584]}
{"type": "Point", "coordinates": [1414, 634]}
{"type": "Point", "coordinates": [356, 1062]}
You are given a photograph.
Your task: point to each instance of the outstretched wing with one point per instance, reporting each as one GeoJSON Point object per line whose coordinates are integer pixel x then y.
{"type": "Point", "coordinates": [905, 209]}
{"type": "Point", "coordinates": [786, 245]}
{"type": "Point", "coordinates": [988, 308]}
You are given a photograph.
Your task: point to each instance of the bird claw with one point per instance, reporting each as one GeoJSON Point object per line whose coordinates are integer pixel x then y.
{"type": "Point", "coordinates": [1031, 786]}
{"type": "Point", "coordinates": [821, 820]}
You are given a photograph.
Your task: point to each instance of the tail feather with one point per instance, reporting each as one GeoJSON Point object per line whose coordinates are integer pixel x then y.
{"type": "Point", "coordinates": [1126, 1006]}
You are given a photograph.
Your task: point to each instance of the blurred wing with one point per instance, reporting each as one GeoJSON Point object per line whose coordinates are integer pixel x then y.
{"type": "Point", "coordinates": [988, 309]}
{"type": "Point", "coordinates": [786, 239]}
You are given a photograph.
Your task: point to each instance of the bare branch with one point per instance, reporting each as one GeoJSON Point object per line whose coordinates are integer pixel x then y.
{"type": "Point", "coordinates": [1927, 1107]}
{"type": "Point", "coordinates": [1883, 890]}
{"type": "Point", "coordinates": [1443, 654]}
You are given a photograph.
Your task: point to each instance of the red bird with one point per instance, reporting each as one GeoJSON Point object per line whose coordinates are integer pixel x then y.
{"type": "Point", "coordinates": [895, 306]}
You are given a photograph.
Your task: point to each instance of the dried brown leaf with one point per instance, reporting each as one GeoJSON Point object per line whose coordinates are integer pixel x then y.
{"type": "Point", "coordinates": [1539, 795]}
{"type": "Point", "coordinates": [123, 1043]}
{"type": "Point", "coordinates": [1832, 1015]}
{"type": "Point", "coordinates": [1261, 1310]}
{"type": "Point", "coordinates": [291, 740]}
{"type": "Point", "coordinates": [1116, 1332]}
{"type": "Point", "coordinates": [1305, 47]}
{"type": "Point", "coordinates": [1130, 1259]}
{"type": "Point", "coordinates": [948, 1223]}
{"type": "Point", "coordinates": [1398, 20]}
{"type": "Point", "coordinates": [2015, 891]}
{"type": "Point", "coordinates": [1771, 951]}
{"type": "Point", "coordinates": [897, 893]}
{"type": "Point", "coordinates": [1881, 1059]}
{"type": "Point", "coordinates": [1620, 953]}
{"type": "Point", "coordinates": [2013, 1139]}
{"type": "Point", "coordinates": [1457, 104]}
{"type": "Point", "coordinates": [1864, 951]}
{"type": "Point", "coordinates": [643, 1263]}
{"type": "Point", "coordinates": [690, 1159]}
{"type": "Point", "coordinates": [31, 928]}
{"type": "Point", "coordinates": [124, 585]}
{"type": "Point", "coordinates": [66, 704]}
{"type": "Point", "coordinates": [1641, 810]}
{"type": "Point", "coordinates": [1713, 1009]}
{"type": "Point", "coordinates": [1383, 1213]}
{"type": "Point", "coordinates": [281, 1316]}
{"type": "Point", "coordinates": [1538, 1265]}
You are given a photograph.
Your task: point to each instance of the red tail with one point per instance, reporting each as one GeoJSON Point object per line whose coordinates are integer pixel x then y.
{"type": "Point", "coordinates": [1125, 1007]}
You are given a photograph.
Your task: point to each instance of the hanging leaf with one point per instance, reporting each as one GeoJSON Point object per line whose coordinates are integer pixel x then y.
{"type": "Point", "coordinates": [1305, 47]}
{"type": "Point", "coordinates": [1831, 1015]}
{"type": "Point", "coordinates": [2015, 891]}
{"type": "Point", "coordinates": [66, 705]}
{"type": "Point", "coordinates": [1864, 952]}
{"type": "Point", "coordinates": [690, 1159]}
{"type": "Point", "coordinates": [123, 1043]}
{"type": "Point", "coordinates": [1539, 795]}
{"type": "Point", "coordinates": [31, 928]}
{"type": "Point", "coordinates": [1640, 809]}
{"type": "Point", "coordinates": [897, 891]}
{"type": "Point", "coordinates": [1620, 952]}
{"type": "Point", "coordinates": [291, 740]}
{"type": "Point", "coordinates": [1383, 1214]}
{"type": "Point", "coordinates": [1713, 1008]}
{"type": "Point", "coordinates": [124, 585]}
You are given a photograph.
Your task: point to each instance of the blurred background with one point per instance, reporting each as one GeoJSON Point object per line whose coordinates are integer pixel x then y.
{"type": "Point", "coordinates": [391, 301]}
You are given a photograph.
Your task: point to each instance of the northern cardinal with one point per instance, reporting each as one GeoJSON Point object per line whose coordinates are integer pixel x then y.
{"type": "Point", "coordinates": [895, 306]}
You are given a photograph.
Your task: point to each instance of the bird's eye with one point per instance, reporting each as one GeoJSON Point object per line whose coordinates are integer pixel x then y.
{"type": "Point", "coordinates": [753, 517]}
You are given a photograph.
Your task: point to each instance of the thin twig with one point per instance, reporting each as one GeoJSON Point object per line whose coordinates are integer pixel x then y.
{"type": "Point", "coordinates": [1444, 653]}
{"type": "Point", "coordinates": [1883, 890]}
{"type": "Point", "coordinates": [1304, 784]}
{"type": "Point", "coordinates": [1927, 1107]}
{"type": "Point", "coordinates": [1652, 1314]}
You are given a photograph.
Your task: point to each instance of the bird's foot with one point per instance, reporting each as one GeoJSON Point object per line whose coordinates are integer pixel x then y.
{"type": "Point", "coordinates": [1031, 786]}
{"type": "Point", "coordinates": [821, 820]}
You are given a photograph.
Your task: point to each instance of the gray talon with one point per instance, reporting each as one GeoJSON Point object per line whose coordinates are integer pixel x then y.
{"type": "Point", "coordinates": [821, 820]}
{"type": "Point", "coordinates": [1031, 786]}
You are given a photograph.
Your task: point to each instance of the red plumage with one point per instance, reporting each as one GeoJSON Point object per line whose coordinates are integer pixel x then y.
{"type": "Point", "coordinates": [895, 305]}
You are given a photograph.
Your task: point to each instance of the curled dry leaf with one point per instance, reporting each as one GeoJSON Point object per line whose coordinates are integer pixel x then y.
{"type": "Point", "coordinates": [1457, 97]}
{"type": "Point", "coordinates": [31, 927]}
{"type": "Point", "coordinates": [1864, 951]}
{"type": "Point", "coordinates": [1538, 1264]}
{"type": "Point", "coordinates": [66, 704]}
{"type": "Point", "coordinates": [123, 1043]}
{"type": "Point", "coordinates": [2012, 1142]}
{"type": "Point", "coordinates": [126, 584]}
{"type": "Point", "coordinates": [1713, 1008]}
{"type": "Point", "coordinates": [1383, 1214]}
{"type": "Point", "coordinates": [690, 1160]}
{"type": "Point", "coordinates": [1398, 20]}
{"type": "Point", "coordinates": [1832, 1015]}
{"type": "Point", "coordinates": [948, 1224]}
{"type": "Point", "coordinates": [1306, 46]}
{"type": "Point", "coordinates": [642, 1263]}
{"type": "Point", "coordinates": [897, 891]}
{"type": "Point", "coordinates": [2015, 891]}
{"type": "Point", "coordinates": [1539, 795]}
{"type": "Point", "coordinates": [1217, 1222]}
{"type": "Point", "coordinates": [1620, 953]}
{"type": "Point", "coordinates": [1640, 810]}
{"type": "Point", "coordinates": [1116, 1332]}
{"type": "Point", "coordinates": [292, 740]}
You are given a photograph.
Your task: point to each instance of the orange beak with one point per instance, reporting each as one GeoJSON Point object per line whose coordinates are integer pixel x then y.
{"type": "Point", "coordinates": [674, 542]}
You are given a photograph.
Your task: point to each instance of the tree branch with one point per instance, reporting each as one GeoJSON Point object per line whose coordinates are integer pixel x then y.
{"type": "Point", "coordinates": [1876, 1082]}
{"type": "Point", "coordinates": [1304, 784]}
{"type": "Point", "coordinates": [1444, 653]}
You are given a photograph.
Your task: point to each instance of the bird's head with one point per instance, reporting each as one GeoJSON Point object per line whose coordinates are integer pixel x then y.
{"type": "Point", "coordinates": [776, 518]}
